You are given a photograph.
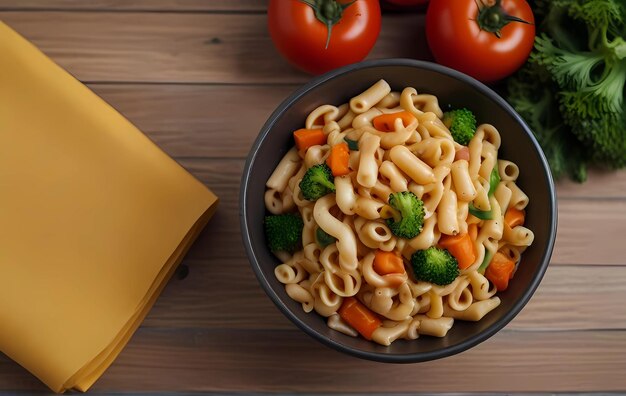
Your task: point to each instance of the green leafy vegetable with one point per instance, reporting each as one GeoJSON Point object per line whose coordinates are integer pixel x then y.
{"type": "Point", "coordinates": [317, 182]}
{"type": "Point", "coordinates": [481, 214]}
{"type": "Point", "coordinates": [323, 238]}
{"type": "Point", "coordinates": [284, 232]}
{"type": "Point", "coordinates": [462, 125]}
{"type": "Point", "coordinates": [486, 261]}
{"type": "Point", "coordinates": [494, 180]}
{"type": "Point", "coordinates": [571, 92]}
{"type": "Point", "coordinates": [352, 144]}
{"type": "Point", "coordinates": [435, 265]}
{"type": "Point", "coordinates": [411, 213]}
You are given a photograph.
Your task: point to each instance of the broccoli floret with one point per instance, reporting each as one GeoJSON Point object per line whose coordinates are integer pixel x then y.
{"type": "Point", "coordinates": [607, 142]}
{"type": "Point", "coordinates": [579, 116]}
{"type": "Point", "coordinates": [591, 104]}
{"type": "Point", "coordinates": [284, 232]}
{"type": "Point", "coordinates": [462, 125]}
{"type": "Point", "coordinates": [408, 219]}
{"type": "Point", "coordinates": [531, 93]}
{"type": "Point", "coordinates": [317, 182]}
{"type": "Point", "coordinates": [323, 238]}
{"type": "Point", "coordinates": [435, 265]}
{"type": "Point", "coordinates": [609, 146]}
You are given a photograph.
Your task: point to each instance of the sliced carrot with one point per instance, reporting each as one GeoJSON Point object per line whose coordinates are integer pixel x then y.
{"type": "Point", "coordinates": [388, 263]}
{"type": "Point", "coordinates": [514, 217]}
{"type": "Point", "coordinates": [385, 122]}
{"type": "Point", "coordinates": [339, 159]}
{"type": "Point", "coordinates": [306, 138]}
{"type": "Point", "coordinates": [462, 154]}
{"type": "Point", "coordinates": [472, 230]}
{"type": "Point", "coordinates": [500, 270]}
{"type": "Point", "coordinates": [461, 247]}
{"type": "Point", "coordinates": [359, 317]}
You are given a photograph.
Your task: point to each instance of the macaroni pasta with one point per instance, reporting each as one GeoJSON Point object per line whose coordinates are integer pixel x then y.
{"type": "Point", "coordinates": [453, 181]}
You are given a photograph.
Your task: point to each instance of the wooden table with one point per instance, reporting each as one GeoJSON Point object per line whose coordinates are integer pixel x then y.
{"type": "Point", "coordinates": [182, 70]}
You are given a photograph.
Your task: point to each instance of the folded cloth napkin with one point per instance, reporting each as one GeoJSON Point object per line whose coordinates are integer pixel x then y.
{"type": "Point", "coordinates": [94, 218]}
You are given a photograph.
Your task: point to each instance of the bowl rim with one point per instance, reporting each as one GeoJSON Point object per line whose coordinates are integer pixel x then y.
{"type": "Point", "coordinates": [382, 356]}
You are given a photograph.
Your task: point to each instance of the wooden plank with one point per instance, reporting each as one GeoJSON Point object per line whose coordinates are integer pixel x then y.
{"type": "Point", "coordinates": [600, 184]}
{"type": "Point", "coordinates": [197, 120]}
{"type": "Point", "coordinates": [569, 298]}
{"type": "Point", "coordinates": [290, 361]}
{"type": "Point", "coordinates": [188, 120]}
{"type": "Point", "coordinates": [136, 5]}
{"type": "Point", "coordinates": [580, 361]}
{"type": "Point", "coordinates": [182, 47]}
{"type": "Point", "coordinates": [576, 297]}
{"type": "Point", "coordinates": [590, 232]}
{"type": "Point", "coordinates": [586, 233]}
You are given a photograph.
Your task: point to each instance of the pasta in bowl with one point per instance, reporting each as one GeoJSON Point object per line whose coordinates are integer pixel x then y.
{"type": "Point", "coordinates": [391, 218]}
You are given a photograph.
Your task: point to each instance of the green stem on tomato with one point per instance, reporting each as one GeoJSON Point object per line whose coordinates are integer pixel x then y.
{"type": "Point", "coordinates": [493, 18]}
{"type": "Point", "coordinates": [329, 12]}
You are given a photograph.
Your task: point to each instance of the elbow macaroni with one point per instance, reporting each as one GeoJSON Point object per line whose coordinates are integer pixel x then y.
{"type": "Point", "coordinates": [420, 158]}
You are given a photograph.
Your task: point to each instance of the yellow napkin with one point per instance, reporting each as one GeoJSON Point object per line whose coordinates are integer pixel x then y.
{"type": "Point", "coordinates": [94, 219]}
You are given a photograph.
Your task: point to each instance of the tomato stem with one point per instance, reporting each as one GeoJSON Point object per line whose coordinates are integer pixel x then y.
{"type": "Point", "coordinates": [328, 12]}
{"type": "Point", "coordinates": [493, 18]}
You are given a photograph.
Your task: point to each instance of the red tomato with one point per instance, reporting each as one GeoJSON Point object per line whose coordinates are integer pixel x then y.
{"type": "Point", "coordinates": [301, 37]}
{"type": "Point", "coordinates": [487, 45]}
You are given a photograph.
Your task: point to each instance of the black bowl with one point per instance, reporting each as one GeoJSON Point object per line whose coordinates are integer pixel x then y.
{"type": "Point", "coordinates": [457, 90]}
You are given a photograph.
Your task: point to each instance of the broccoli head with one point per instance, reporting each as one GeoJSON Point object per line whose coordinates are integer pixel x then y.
{"type": "Point", "coordinates": [408, 217]}
{"type": "Point", "coordinates": [435, 265]}
{"type": "Point", "coordinates": [284, 232]}
{"type": "Point", "coordinates": [317, 182]}
{"type": "Point", "coordinates": [573, 88]}
{"type": "Point", "coordinates": [462, 125]}
{"type": "Point", "coordinates": [531, 92]}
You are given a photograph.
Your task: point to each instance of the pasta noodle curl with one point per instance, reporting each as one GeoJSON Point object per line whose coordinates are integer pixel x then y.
{"type": "Point", "coordinates": [349, 253]}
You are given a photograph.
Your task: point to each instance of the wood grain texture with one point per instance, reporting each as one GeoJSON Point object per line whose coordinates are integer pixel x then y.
{"type": "Point", "coordinates": [234, 300]}
{"type": "Point", "coordinates": [585, 234]}
{"type": "Point", "coordinates": [137, 5]}
{"type": "Point", "coordinates": [161, 47]}
{"type": "Point", "coordinates": [188, 120]}
{"type": "Point", "coordinates": [290, 361]}
{"type": "Point", "coordinates": [181, 71]}
{"type": "Point", "coordinates": [590, 232]}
